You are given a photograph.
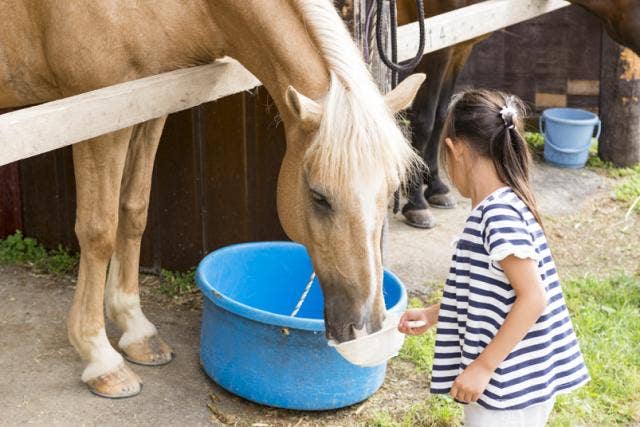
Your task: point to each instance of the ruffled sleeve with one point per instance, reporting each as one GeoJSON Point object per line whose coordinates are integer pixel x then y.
{"type": "Point", "coordinates": [506, 233]}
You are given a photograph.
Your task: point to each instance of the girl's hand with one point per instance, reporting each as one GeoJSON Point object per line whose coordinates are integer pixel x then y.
{"type": "Point", "coordinates": [427, 315]}
{"type": "Point", "coordinates": [471, 383]}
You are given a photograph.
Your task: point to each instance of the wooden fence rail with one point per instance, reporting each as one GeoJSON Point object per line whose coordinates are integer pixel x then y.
{"type": "Point", "coordinates": [469, 22]}
{"type": "Point", "coordinates": [36, 130]}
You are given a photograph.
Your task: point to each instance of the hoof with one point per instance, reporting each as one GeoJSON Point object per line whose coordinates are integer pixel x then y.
{"type": "Point", "coordinates": [116, 385]}
{"type": "Point", "coordinates": [419, 218]}
{"type": "Point", "coordinates": [150, 351]}
{"type": "Point", "coordinates": [442, 201]}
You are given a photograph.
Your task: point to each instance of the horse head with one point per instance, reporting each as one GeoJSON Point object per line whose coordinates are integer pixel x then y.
{"type": "Point", "coordinates": [345, 159]}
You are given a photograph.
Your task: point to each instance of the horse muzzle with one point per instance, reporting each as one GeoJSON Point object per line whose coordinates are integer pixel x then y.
{"type": "Point", "coordinates": [346, 321]}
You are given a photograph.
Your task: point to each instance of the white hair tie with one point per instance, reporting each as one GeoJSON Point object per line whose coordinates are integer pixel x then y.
{"type": "Point", "coordinates": [509, 114]}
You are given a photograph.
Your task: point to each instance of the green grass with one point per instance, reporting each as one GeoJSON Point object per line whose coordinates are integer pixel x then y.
{"type": "Point", "coordinates": [21, 250]}
{"type": "Point", "coordinates": [606, 317]}
{"type": "Point", "coordinates": [437, 411]}
{"type": "Point", "coordinates": [629, 191]}
{"type": "Point", "coordinates": [176, 283]}
{"type": "Point", "coordinates": [17, 249]}
{"type": "Point", "coordinates": [536, 142]}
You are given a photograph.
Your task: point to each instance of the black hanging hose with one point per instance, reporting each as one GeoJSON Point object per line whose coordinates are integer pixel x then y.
{"type": "Point", "coordinates": [392, 63]}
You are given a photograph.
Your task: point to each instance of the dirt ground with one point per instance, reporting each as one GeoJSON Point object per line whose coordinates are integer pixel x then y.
{"type": "Point", "coordinates": [39, 371]}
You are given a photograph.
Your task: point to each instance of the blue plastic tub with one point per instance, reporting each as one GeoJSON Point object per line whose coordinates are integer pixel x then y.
{"type": "Point", "coordinates": [567, 135]}
{"type": "Point", "coordinates": [252, 347]}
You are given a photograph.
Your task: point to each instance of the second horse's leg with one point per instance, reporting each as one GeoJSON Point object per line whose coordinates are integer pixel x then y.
{"type": "Point", "coordinates": [140, 341]}
{"type": "Point", "coordinates": [437, 192]}
{"type": "Point", "coordinates": [422, 117]}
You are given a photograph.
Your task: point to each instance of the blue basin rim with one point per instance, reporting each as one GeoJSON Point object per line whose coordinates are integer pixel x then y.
{"type": "Point", "coordinates": [243, 310]}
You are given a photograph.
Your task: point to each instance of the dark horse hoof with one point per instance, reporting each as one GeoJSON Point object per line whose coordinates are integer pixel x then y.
{"type": "Point", "coordinates": [442, 201]}
{"type": "Point", "coordinates": [419, 218]}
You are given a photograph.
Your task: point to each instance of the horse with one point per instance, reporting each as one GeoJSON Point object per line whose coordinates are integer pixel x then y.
{"type": "Point", "coordinates": [345, 154]}
{"type": "Point", "coordinates": [621, 19]}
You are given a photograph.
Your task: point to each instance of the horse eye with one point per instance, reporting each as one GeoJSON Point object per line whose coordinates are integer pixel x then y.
{"type": "Point", "coordinates": [320, 200]}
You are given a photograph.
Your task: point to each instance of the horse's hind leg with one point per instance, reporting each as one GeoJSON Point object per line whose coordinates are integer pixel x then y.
{"type": "Point", "coordinates": [140, 341]}
{"type": "Point", "coordinates": [422, 117]}
{"type": "Point", "coordinates": [98, 163]}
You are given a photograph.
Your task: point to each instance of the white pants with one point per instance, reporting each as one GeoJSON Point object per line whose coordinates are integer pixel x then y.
{"type": "Point", "coordinates": [533, 416]}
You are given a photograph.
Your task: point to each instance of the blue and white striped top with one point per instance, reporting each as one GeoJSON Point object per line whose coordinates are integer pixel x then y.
{"type": "Point", "coordinates": [478, 296]}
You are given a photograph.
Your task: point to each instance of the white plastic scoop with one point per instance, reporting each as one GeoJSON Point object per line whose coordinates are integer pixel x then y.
{"type": "Point", "coordinates": [377, 348]}
{"type": "Point", "coordinates": [413, 324]}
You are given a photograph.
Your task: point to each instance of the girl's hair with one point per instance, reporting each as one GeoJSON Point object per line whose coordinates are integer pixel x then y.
{"type": "Point", "coordinates": [491, 124]}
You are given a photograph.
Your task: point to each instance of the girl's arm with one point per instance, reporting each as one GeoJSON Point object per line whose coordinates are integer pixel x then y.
{"type": "Point", "coordinates": [530, 303]}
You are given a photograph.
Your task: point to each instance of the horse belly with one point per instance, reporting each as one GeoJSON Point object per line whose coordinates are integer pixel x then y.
{"type": "Point", "coordinates": [19, 86]}
{"type": "Point", "coordinates": [24, 75]}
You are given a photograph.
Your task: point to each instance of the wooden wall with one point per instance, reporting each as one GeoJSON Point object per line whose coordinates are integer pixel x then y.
{"type": "Point", "coordinates": [550, 61]}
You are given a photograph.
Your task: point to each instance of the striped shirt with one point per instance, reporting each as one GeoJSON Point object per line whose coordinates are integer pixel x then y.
{"type": "Point", "coordinates": [477, 298]}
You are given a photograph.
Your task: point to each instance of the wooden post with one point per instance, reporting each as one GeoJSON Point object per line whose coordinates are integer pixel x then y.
{"type": "Point", "coordinates": [355, 13]}
{"type": "Point", "coordinates": [619, 104]}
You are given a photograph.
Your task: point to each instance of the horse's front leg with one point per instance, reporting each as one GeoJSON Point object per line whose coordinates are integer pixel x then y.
{"type": "Point", "coordinates": [140, 341]}
{"type": "Point", "coordinates": [98, 164]}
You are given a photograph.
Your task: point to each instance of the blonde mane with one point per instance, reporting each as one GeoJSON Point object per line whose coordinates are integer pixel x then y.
{"type": "Point", "coordinates": [357, 134]}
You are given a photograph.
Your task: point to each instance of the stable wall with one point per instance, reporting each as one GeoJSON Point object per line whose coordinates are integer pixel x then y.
{"type": "Point", "coordinates": [551, 61]}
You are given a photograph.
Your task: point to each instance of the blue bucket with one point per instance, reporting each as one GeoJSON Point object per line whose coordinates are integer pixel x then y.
{"type": "Point", "coordinates": [251, 346]}
{"type": "Point", "coordinates": [567, 135]}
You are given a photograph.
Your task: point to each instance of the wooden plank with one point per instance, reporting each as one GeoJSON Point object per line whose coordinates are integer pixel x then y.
{"type": "Point", "coordinates": [10, 203]}
{"type": "Point", "coordinates": [177, 230]}
{"type": "Point", "coordinates": [583, 87]}
{"type": "Point", "coordinates": [43, 128]}
{"type": "Point", "coordinates": [469, 22]}
{"type": "Point", "coordinates": [48, 198]}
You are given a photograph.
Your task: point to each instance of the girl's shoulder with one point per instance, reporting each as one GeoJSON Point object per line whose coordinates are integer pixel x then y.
{"type": "Point", "coordinates": [504, 205]}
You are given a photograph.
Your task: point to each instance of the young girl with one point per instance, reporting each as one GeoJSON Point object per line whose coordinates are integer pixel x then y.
{"type": "Point", "coordinates": [505, 344]}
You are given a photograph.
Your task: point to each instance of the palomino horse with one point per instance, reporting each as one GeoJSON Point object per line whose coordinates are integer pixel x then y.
{"type": "Point", "coordinates": [620, 17]}
{"type": "Point", "coordinates": [345, 155]}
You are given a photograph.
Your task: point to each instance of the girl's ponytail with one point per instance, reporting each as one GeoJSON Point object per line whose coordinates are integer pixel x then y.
{"type": "Point", "coordinates": [491, 123]}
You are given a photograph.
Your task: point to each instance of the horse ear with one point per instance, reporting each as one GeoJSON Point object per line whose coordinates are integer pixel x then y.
{"type": "Point", "coordinates": [308, 111]}
{"type": "Point", "coordinates": [402, 96]}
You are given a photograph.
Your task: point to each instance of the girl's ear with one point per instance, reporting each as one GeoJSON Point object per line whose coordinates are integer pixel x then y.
{"type": "Point", "coordinates": [455, 147]}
